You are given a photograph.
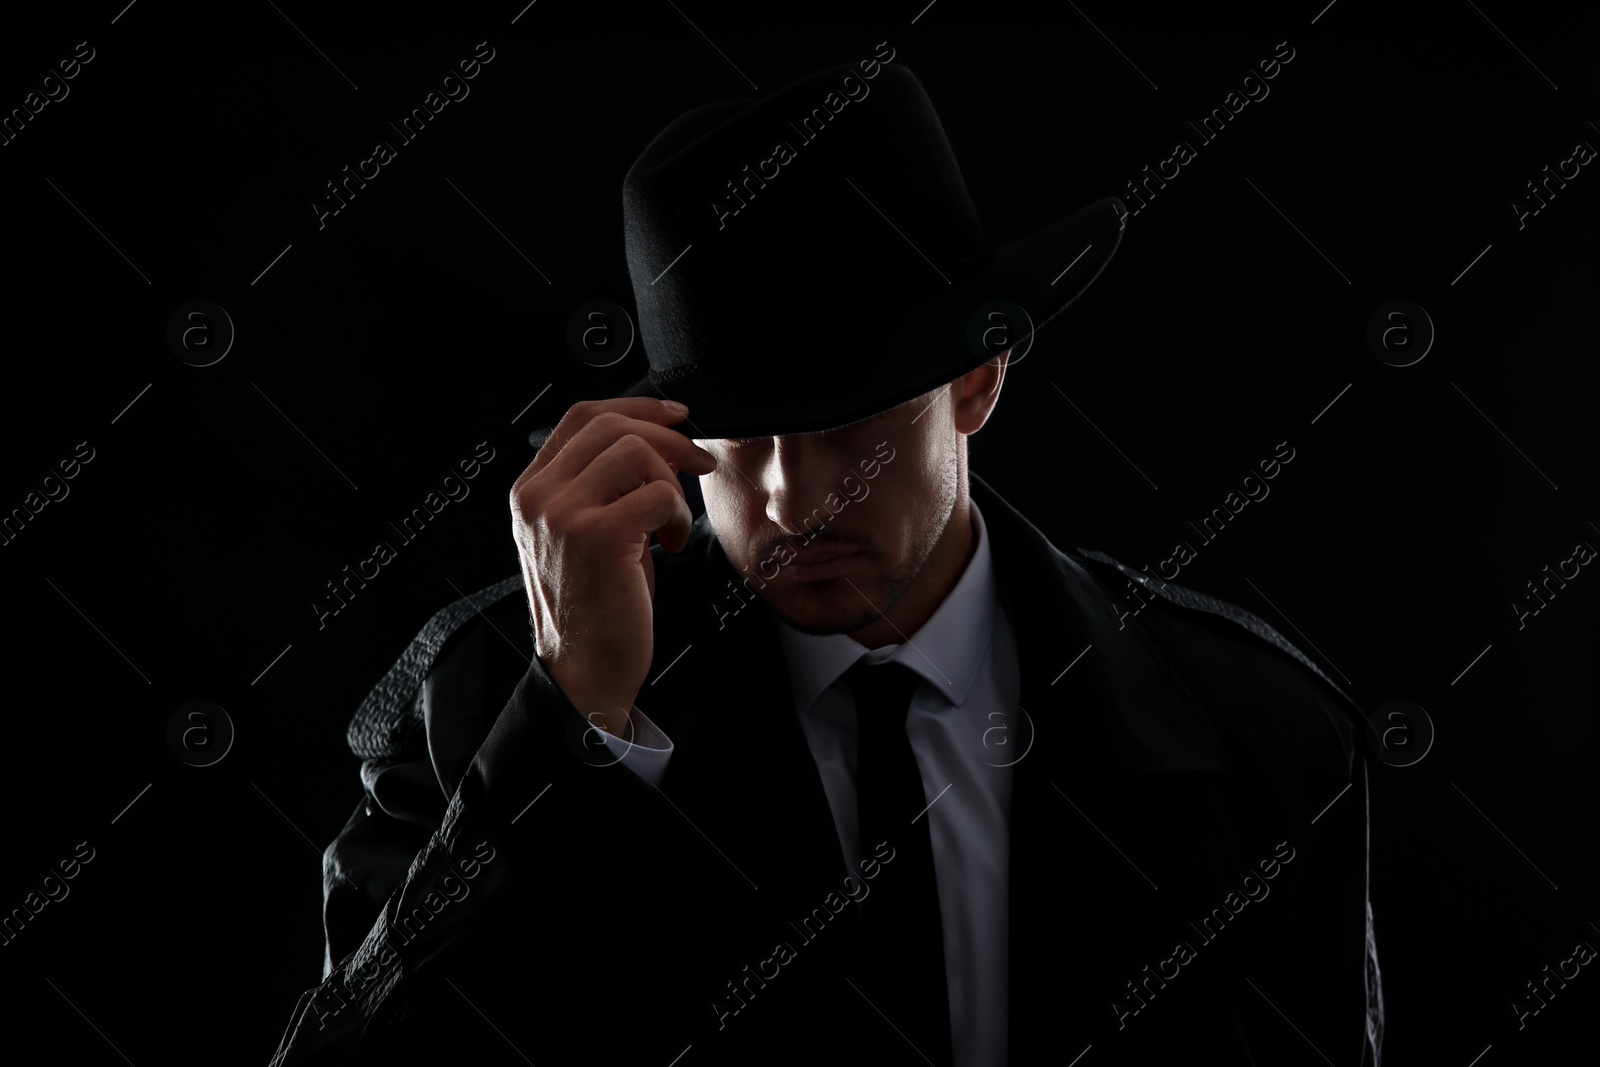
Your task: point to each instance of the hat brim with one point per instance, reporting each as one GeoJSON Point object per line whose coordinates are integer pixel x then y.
{"type": "Point", "coordinates": [907, 350]}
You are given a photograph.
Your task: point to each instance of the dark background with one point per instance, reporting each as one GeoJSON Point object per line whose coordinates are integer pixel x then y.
{"type": "Point", "coordinates": [378, 351]}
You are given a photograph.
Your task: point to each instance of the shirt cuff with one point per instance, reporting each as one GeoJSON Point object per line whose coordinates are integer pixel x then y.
{"type": "Point", "coordinates": [645, 752]}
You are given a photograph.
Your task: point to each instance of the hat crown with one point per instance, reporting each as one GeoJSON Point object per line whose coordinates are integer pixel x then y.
{"type": "Point", "coordinates": [757, 229]}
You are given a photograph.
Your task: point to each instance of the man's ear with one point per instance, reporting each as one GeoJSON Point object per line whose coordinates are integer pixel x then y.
{"type": "Point", "coordinates": [974, 394]}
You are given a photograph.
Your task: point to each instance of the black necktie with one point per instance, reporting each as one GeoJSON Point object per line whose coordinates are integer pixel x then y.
{"type": "Point", "coordinates": [902, 970]}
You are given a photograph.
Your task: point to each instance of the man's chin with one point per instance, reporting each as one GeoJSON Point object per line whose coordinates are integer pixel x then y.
{"type": "Point", "coordinates": [830, 607]}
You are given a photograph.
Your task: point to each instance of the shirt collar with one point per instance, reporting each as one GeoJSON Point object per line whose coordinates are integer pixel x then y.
{"type": "Point", "coordinates": [946, 651]}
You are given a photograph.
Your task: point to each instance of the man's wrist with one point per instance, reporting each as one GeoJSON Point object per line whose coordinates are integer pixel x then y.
{"type": "Point", "coordinates": [603, 711]}
{"type": "Point", "coordinates": [615, 719]}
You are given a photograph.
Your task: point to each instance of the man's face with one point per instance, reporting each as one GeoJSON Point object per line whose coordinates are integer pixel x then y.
{"type": "Point", "coordinates": [839, 524]}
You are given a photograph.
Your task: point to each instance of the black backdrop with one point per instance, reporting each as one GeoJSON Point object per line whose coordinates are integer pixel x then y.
{"type": "Point", "coordinates": [374, 353]}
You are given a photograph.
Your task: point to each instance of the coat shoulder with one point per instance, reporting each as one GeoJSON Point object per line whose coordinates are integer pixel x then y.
{"type": "Point", "coordinates": [1197, 602]}
{"type": "Point", "coordinates": [1255, 684]}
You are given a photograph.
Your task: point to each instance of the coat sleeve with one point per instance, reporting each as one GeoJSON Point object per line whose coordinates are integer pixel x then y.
{"type": "Point", "coordinates": [1319, 987]}
{"type": "Point", "coordinates": [1317, 984]}
{"type": "Point", "coordinates": [1302, 748]}
{"type": "Point", "coordinates": [409, 883]}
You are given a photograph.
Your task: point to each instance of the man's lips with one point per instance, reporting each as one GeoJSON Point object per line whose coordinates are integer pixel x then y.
{"type": "Point", "coordinates": [817, 562]}
{"type": "Point", "coordinates": [821, 553]}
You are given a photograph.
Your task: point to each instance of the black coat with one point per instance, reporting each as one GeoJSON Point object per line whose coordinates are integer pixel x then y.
{"type": "Point", "coordinates": [1189, 872]}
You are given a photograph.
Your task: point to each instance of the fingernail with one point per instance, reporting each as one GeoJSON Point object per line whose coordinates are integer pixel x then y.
{"type": "Point", "coordinates": [675, 406]}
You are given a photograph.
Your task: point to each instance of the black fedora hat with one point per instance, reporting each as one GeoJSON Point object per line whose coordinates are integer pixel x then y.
{"type": "Point", "coordinates": [808, 259]}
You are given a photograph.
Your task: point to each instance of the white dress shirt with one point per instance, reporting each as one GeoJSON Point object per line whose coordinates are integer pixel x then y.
{"type": "Point", "coordinates": [966, 731]}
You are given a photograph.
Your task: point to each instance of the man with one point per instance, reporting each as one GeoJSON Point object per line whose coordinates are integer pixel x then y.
{"type": "Point", "coordinates": [856, 767]}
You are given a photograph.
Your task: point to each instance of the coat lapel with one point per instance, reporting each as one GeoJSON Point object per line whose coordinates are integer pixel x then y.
{"type": "Point", "coordinates": [1109, 806]}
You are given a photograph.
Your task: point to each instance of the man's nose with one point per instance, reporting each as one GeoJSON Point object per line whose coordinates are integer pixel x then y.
{"type": "Point", "coordinates": [800, 473]}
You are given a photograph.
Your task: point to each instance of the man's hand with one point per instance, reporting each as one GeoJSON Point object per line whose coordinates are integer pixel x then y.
{"type": "Point", "coordinates": [582, 515]}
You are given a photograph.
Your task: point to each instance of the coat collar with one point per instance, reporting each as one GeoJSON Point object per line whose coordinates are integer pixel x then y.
{"type": "Point", "coordinates": [1100, 701]}
{"type": "Point", "coordinates": [1121, 699]}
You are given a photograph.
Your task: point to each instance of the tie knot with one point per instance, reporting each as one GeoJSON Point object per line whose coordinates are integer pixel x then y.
{"type": "Point", "coordinates": [882, 691]}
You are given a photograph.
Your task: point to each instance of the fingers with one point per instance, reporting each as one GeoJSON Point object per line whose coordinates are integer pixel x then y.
{"type": "Point", "coordinates": [618, 413]}
{"type": "Point", "coordinates": [608, 427]}
{"type": "Point", "coordinates": [623, 467]}
{"type": "Point", "coordinates": [657, 506]}
{"type": "Point", "coordinates": [626, 468]}
{"type": "Point", "coordinates": [619, 456]}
